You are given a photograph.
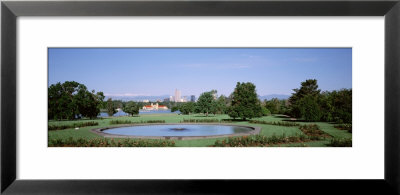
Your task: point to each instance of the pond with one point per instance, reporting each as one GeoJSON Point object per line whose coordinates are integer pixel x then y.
{"type": "Point", "coordinates": [178, 130]}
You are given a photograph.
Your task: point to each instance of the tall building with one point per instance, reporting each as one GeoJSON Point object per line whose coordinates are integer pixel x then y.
{"type": "Point", "coordinates": [184, 98]}
{"type": "Point", "coordinates": [214, 94]}
{"type": "Point", "coordinates": [177, 95]}
{"type": "Point", "coordinates": [192, 98]}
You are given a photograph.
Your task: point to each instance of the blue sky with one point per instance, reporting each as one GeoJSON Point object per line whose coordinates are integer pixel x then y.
{"type": "Point", "coordinates": [159, 71]}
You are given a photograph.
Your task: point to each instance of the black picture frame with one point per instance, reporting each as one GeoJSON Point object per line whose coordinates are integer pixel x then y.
{"type": "Point", "coordinates": [11, 10]}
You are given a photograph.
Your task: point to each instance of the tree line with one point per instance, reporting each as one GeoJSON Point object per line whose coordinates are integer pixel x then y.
{"type": "Point", "coordinates": [307, 103]}
{"type": "Point", "coordinates": [243, 103]}
{"type": "Point", "coordinates": [71, 100]}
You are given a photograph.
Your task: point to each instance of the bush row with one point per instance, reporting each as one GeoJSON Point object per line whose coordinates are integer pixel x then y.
{"type": "Point", "coordinates": [68, 126]}
{"type": "Point", "coordinates": [260, 140]}
{"type": "Point", "coordinates": [200, 121]}
{"type": "Point", "coordinates": [278, 123]}
{"type": "Point", "coordinates": [115, 122]}
{"type": "Point", "coordinates": [340, 142]}
{"type": "Point", "coordinates": [344, 127]}
{"type": "Point", "coordinates": [313, 131]}
{"type": "Point", "coordinates": [106, 142]}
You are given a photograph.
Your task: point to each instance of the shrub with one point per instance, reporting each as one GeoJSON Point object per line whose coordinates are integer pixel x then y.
{"type": "Point", "coordinates": [309, 108]}
{"type": "Point", "coordinates": [116, 122]}
{"type": "Point", "coordinates": [68, 126]}
{"type": "Point", "coordinates": [278, 123]}
{"type": "Point", "coordinates": [344, 127]}
{"type": "Point", "coordinates": [313, 131]}
{"type": "Point", "coordinates": [106, 142]}
{"type": "Point", "coordinates": [259, 140]}
{"type": "Point", "coordinates": [200, 121]}
{"type": "Point", "coordinates": [341, 142]}
{"type": "Point", "coordinates": [155, 121]}
{"type": "Point", "coordinates": [265, 111]}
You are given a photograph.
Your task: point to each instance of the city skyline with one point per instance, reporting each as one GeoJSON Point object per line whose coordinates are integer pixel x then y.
{"type": "Point", "coordinates": [129, 72]}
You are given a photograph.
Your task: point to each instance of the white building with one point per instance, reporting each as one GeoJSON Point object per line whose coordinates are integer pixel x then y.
{"type": "Point", "coordinates": [177, 95]}
{"type": "Point", "coordinates": [154, 107]}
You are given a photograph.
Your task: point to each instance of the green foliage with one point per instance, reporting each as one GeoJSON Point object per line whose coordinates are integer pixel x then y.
{"type": "Point", "coordinates": [308, 103]}
{"type": "Point", "coordinates": [347, 127]}
{"type": "Point", "coordinates": [200, 121]}
{"type": "Point", "coordinates": [74, 125]}
{"type": "Point", "coordinates": [155, 121]}
{"type": "Point", "coordinates": [341, 142]}
{"type": "Point", "coordinates": [89, 103]}
{"type": "Point", "coordinates": [116, 122]}
{"type": "Point", "coordinates": [313, 131]}
{"type": "Point", "coordinates": [219, 106]}
{"type": "Point", "coordinates": [132, 108]}
{"type": "Point", "coordinates": [245, 103]}
{"type": "Point", "coordinates": [71, 99]}
{"type": "Point", "coordinates": [106, 142]}
{"type": "Point", "coordinates": [205, 103]}
{"type": "Point", "coordinates": [309, 108]}
{"type": "Point", "coordinates": [187, 108]}
{"type": "Point", "coordinates": [265, 111]}
{"type": "Point", "coordinates": [110, 107]}
{"type": "Point", "coordinates": [278, 123]}
{"type": "Point", "coordinates": [259, 141]}
{"type": "Point", "coordinates": [337, 106]}
{"type": "Point", "coordinates": [276, 106]}
{"type": "Point", "coordinates": [175, 108]}
{"type": "Point", "coordinates": [308, 88]}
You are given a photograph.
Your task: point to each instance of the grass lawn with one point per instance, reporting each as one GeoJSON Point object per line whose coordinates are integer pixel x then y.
{"type": "Point", "coordinates": [267, 130]}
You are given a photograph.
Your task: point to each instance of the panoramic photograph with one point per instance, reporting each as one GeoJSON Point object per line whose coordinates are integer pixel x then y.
{"type": "Point", "coordinates": [199, 97]}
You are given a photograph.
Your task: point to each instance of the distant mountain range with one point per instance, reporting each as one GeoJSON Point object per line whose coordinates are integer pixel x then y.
{"type": "Point", "coordinates": [138, 98]}
{"type": "Point", "coordinates": [162, 97]}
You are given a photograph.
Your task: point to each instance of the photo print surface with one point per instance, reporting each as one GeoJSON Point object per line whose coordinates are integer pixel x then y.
{"type": "Point", "coordinates": [199, 97]}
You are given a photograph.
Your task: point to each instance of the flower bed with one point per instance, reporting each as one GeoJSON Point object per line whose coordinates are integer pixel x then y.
{"type": "Point", "coordinates": [106, 142]}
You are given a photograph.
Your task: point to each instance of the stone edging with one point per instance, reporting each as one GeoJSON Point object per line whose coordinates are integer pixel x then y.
{"type": "Point", "coordinates": [99, 131]}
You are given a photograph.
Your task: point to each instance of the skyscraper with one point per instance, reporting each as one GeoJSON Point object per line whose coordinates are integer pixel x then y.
{"type": "Point", "coordinates": [177, 95]}
{"type": "Point", "coordinates": [184, 98]}
{"type": "Point", "coordinates": [192, 98]}
{"type": "Point", "coordinates": [214, 94]}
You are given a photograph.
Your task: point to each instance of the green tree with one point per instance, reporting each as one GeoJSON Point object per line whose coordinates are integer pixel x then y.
{"type": "Point", "coordinates": [308, 88]}
{"type": "Point", "coordinates": [273, 105]}
{"type": "Point", "coordinates": [309, 108]}
{"type": "Point", "coordinates": [62, 100]}
{"type": "Point", "coordinates": [220, 105]}
{"type": "Point", "coordinates": [72, 99]}
{"type": "Point", "coordinates": [265, 111]}
{"type": "Point", "coordinates": [284, 107]}
{"type": "Point", "coordinates": [187, 108]}
{"type": "Point", "coordinates": [205, 102]}
{"type": "Point", "coordinates": [89, 103]}
{"type": "Point", "coordinates": [245, 103]}
{"type": "Point", "coordinates": [337, 106]}
{"type": "Point", "coordinates": [175, 108]}
{"type": "Point", "coordinates": [110, 107]}
{"type": "Point", "coordinates": [132, 108]}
